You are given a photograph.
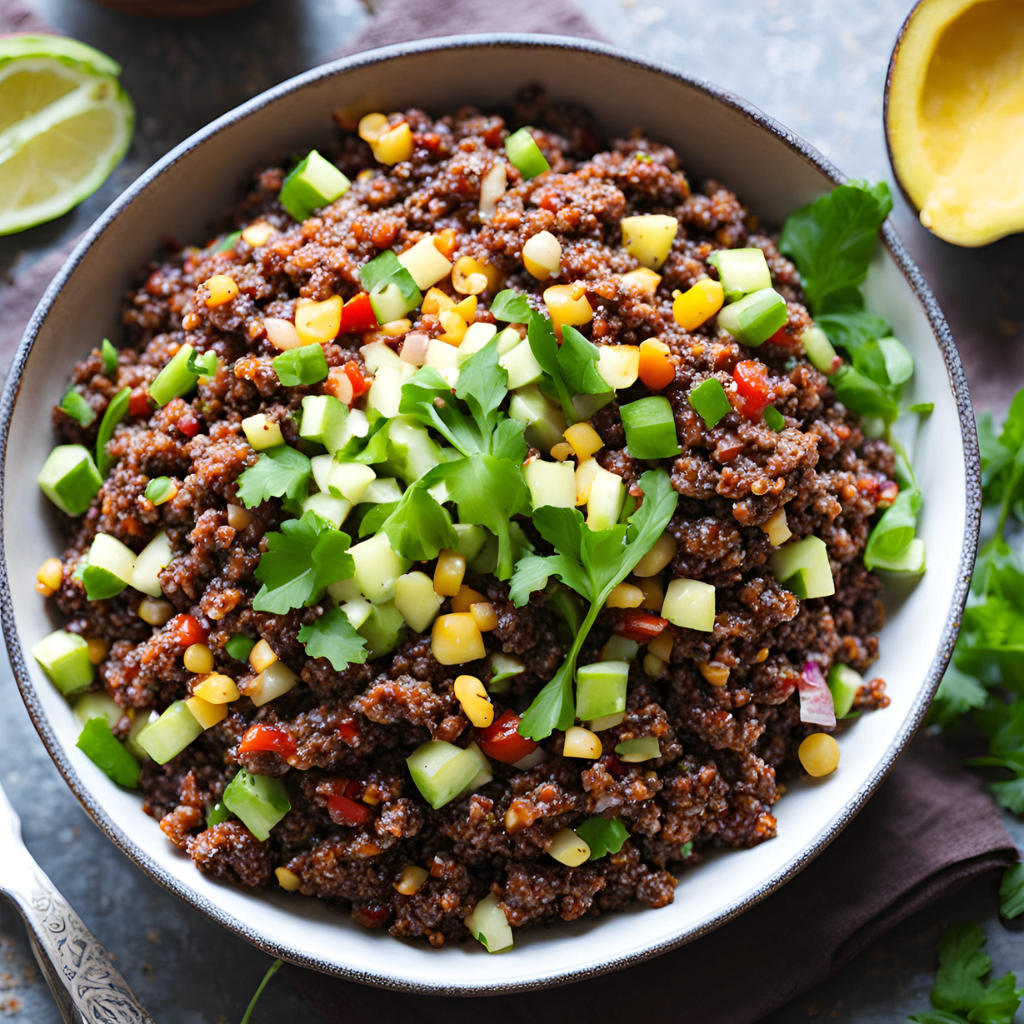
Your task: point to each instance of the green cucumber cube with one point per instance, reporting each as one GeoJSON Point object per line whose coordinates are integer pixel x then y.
{"type": "Point", "coordinates": [170, 734]}
{"type": "Point", "coordinates": [607, 496]}
{"type": "Point", "coordinates": [755, 318]}
{"type": "Point", "coordinates": [521, 365]}
{"type": "Point", "coordinates": [690, 604]}
{"type": "Point", "coordinates": [378, 567]}
{"type": "Point", "coordinates": [412, 452]}
{"type": "Point", "coordinates": [329, 508]}
{"type": "Point", "coordinates": [844, 684]}
{"type": "Point", "coordinates": [802, 566]}
{"type": "Point", "coordinates": [324, 420]}
{"type": "Point", "coordinates": [819, 350]}
{"type": "Point", "coordinates": [551, 483]}
{"type": "Point", "coordinates": [382, 491]}
{"type": "Point", "coordinates": [545, 422]}
{"type": "Point", "coordinates": [153, 558]}
{"type": "Point", "coordinates": [416, 600]}
{"type": "Point", "coordinates": [109, 567]}
{"type": "Point", "coordinates": [489, 926]}
{"type": "Point", "coordinates": [258, 801]}
{"type": "Point", "coordinates": [69, 478]}
{"type": "Point", "coordinates": [643, 748]}
{"type": "Point", "coordinates": [312, 184]}
{"type": "Point", "coordinates": [382, 629]}
{"type": "Point", "coordinates": [64, 657]}
{"type": "Point", "coordinates": [442, 771]}
{"type": "Point", "coordinates": [650, 427]}
{"type": "Point", "coordinates": [103, 748]}
{"type": "Point", "coordinates": [385, 392]}
{"type": "Point", "coordinates": [98, 705]}
{"type": "Point", "coordinates": [601, 689]}
{"type": "Point", "coordinates": [741, 271]}
{"type": "Point", "coordinates": [504, 668]}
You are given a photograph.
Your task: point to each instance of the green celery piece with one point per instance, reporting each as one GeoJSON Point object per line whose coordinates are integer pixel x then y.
{"type": "Point", "coordinates": [525, 154]}
{"type": "Point", "coordinates": [176, 378]}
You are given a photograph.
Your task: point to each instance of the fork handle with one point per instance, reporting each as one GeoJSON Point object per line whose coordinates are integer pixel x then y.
{"type": "Point", "coordinates": [80, 972]}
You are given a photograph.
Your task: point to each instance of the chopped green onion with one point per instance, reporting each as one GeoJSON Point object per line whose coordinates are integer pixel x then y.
{"type": "Point", "coordinates": [741, 271]}
{"type": "Point", "coordinates": [774, 418]}
{"type": "Point", "coordinates": [64, 657]}
{"type": "Point", "coordinates": [525, 154]}
{"type": "Point", "coordinates": [103, 748]}
{"type": "Point", "coordinates": [228, 242]}
{"type": "Point", "coordinates": [116, 411]}
{"type": "Point", "coordinates": [160, 489]}
{"type": "Point", "coordinates": [69, 478]}
{"type": "Point", "coordinates": [686, 850]}
{"type": "Point", "coordinates": [650, 428]}
{"type": "Point", "coordinates": [176, 378]}
{"type": "Point", "coordinates": [710, 401]}
{"type": "Point", "coordinates": [170, 734]}
{"type": "Point", "coordinates": [643, 748]}
{"type": "Point", "coordinates": [77, 408]}
{"type": "Point", "coordinates": [312, 184]}
{"type": "Point", "coordinates": [755, 318]}
{"type": "Point", "coordinates": [109, 354]}
{"type": "Point", "coordinates": [819, 351]}
{"type": "Point", "coordinates": [271, 971]}
{"type": "Point", "coordinates": [109, 567]}
{"type": "Point", "coordinates": [391, 287]}
{"type": "Point", "coordinates": [239, 646]}
{"type": "Point", "coordinates": [204, 365]}
{"type": "Point", "coordinates": [218, 813]}
{"type": "Point", "coordinates": [258, 801]}
{"type": "Point", "coordinates": [298, 366]}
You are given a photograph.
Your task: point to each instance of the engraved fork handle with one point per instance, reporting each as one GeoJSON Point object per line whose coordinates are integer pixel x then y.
{"type": "Point", "coordinates": [80, 972]}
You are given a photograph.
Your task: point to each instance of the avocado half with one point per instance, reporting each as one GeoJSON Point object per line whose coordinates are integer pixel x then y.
{"type": "Point", "coordinates": [954, 117]}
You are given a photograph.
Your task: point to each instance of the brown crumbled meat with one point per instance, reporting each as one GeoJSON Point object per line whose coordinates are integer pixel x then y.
{"type": "Point", "coordinates": [357, 821]}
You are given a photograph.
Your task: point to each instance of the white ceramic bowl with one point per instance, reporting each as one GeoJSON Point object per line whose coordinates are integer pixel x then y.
{"type": "Point", "coordinates": [714, 134]}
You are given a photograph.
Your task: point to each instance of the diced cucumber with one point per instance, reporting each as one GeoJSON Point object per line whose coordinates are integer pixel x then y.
{"type": "Point", "coordinates": [545, 422]}
{"type": "Point", "coordinates": [154, 557]}
{"type": "Point", "coordinates": [109, 568]}
{"type": "Point", "coordinates": [321, 467]}
{"type": "Point", "coordinates": [504, 668]}
{"type": "Point", "coordinates": [412, 451]}
{"type": "Point", "coordinates": [357, 610]}
{"type": "Point", "coordinates": [522, 367]}
{"type": "Point", "coordinates": [476, 337]}
{"type": "Point", "coordinates": [471, 540]}
{"type": "Point", "coordinates": [258, 801]}
{"type": "Point", "coordinates": [551, 483]}
{"type": "Point", "coordinates": [650, 428]}
{"type": "Point", "coordinates": [98, 705]}
{"type": "Point", "coordinates": [262, 433]}
{"type": "Point", "coordinates": [911, 561]}
{"type": "Point", "coordinates": [802, 566]}
{"type": "Point", "coordinates": [344, 590]}
{"type": "Point", "coordinates": [382, 629]}
{"type": "Point", "coordinates": [416, 600]}
{"type": "Point", "coordinates": [349, 480]}
{"type": "Point", "coordinates": [170, 734]}
{"type": "Point", "coordinates": [385, 392]}
{"type": "Point", "coordinates": [444, 772]}
{"type": "Point", "coordinates": [642, 748]}
{"type": "Point", "coordinates": [325, 421]}
{"type": "Point", "coordinates": [105, 751]}
{"type": "Point", "coordinates": [587, 405]}
{"type": "Point", "coordinates": [69, 478]}
{"type": "Point", "coordinates": [489, 926]}
{"type": "Point", "coordinates": [329, 508]}
{"type": "Point", "coordinates": [274, 681]}
{"type": "Point", "coordinates": [483, 775]}
{"type": "Point", "coordinates": [64, 657]}
{"type": "Point", "coordinates": [508, 339]}
{"type": "Point", "coordinates": [691, 604]}
{"type": "Point", "coordinates": [618, 648]}
{"type": "Point", "coordinates": [844, 684]}
{"type": "Point", "coordinates": [377, 354]}
{"type": "Point", "coordinates": [819, 350]}
{"type": "Point", "coordinates": [618, 365]}
{"type": "Point", "coordinates": [441, 355]}
{"type": "Point", "coordinates": [313, 183]}
{"type": "Point", "coordinates": [601, 689]}
{"type": "Point", "coordinates": [140, 720]}
{"type": "Point", "coordinates": [754, 318]}
{"type": "Point", "coordinates": [382, 491]}
{"type": "Point", "coordinates": [741, 271]}
{"type": "Point", "coordinates": [425, 262]}
{"type": "Point", "coordinates": [486, 559]}
{"type": "Point", "coordinates": [377, 568]}
{"type": "Point", "coordinates": [389, 302]}
{"type": "Point", "coordinates": [607, 493]}
{"type": "Point", "coordinates": [606, 721]}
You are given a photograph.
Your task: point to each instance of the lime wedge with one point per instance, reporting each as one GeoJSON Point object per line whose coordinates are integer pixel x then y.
{"type": "Point", "coordinates": [65, 123]}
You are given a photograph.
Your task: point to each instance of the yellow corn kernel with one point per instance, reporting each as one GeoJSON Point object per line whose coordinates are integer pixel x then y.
{"type": "Point", "coordinates": [585, 474]}
{"type": "Point", "coordinates": [580, 742]}
{"type": "Point", "coordinates": [466, 308]}
{"type": "Point", "coordinates": [436, 301]}
{"type": "Point", "coordinates": [281, 333]}
{"type": "Point", "coordinates": [371, 127]}
{"type": "Point", "coordinates": [51, 573]}
{"type": "Point", "coordinates": [476, 705]}
{"type": "Point", "coordinates": [258, 234]}
{"type": "Point", "coordinates": [217, 688]}
{"type": "Point", "coordinates": [762, 655]}
{"type": "Point", "coordinates": [365, 174]}
{"type": "Point", "coordinates": [653, 591]}
{"type": "Point", "coordinates": [98, 650]}
{"type": "Point", "coordinates": [466, 598]}
{"type": "Point", "coordinates": [262, 656]}
{"type": "Point", "coordinates": [238, 517]}
{"type": "Point", "coordinates": [561, 451]}
{"type": "Point", "coordinates": [222, 289]}
{"type": "Point", "coordinates": [198, 659]}
{"type": "Point", "coordinates": [205, 713]}
{"type": "Point", "coordinates": [567, 307]}
{"type": "Point", "coordinates": [456, 639]}
{"type": "Point", "coordinates": [715, 674]}
{"type": "Point", "coordinates": [454, 327]}
{"type": "Point", "coordinates": [777, 528]}
{"type": "Point", "coordinates": [697, 304]}
{"type": "Point", "coordinates": [661, 553]}
{"type": "Point", "coordinates": [155, 612]}
{"type": "Point", "coordinates": [654, 666]}
{"type": "Point", "coordinates": [625, 595]}
{"type": "Point", "coordinates": [451, 568]}
{"type": "Point", "coordinates": [585, 440]}
{"type": "Point", "coordinates": [469, 276]}
{"type": "Point", "coordinates": [485, 615]}
{"type": "Point", "coordinates": [396, 328]}
{"type": "Point", "coordinates": [567, 848]}
{"type": "Point", "coordinates": [394, 145]}
{"type": "Point", "coordinates": [643, 279]}
{"type": "Point", "coordinates": [661, 646]}
{"type": "Point", "coordinates": [288, 880]}
{"type": "Point", "coordinates": [541, 255]}
{"type": "Point", "coordinates": [318, 322]}
{"type": "Point", "coordinates": [819, 754]}
{"type": "Point", "coordinates": [411, 880]}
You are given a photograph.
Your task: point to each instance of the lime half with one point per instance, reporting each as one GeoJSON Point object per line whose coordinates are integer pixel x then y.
{"type": "Point", "coordinates": [65, 123]}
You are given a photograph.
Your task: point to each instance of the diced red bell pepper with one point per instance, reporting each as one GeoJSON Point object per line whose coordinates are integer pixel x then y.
{"type": "Point", "coordinates": [188, 630]}
{"type": "Point", "coordinates": [751, 377]}
{"type": "Point", "coordinates": [188, 425]}
{"type": "Point", "coordinates": [357, 315]}
{"type": "Point", "coordinates": [373, 916]}
{"type": "Point", "coordinates": [349, 730]}
{"type": "Point", "coordinates": [345, 811]}
{"type": "Point", "coordinates": [613, 766]}
{"type": "Point", "coordinates": [360, 383]}
{"type": "Point", "coordinates": [138, 403]}
{"type": "Point", "coordinates": [267, 737]}
{"type": "Point", "coordinates": [501, 740]}
{"type": "Point", "coordinates": [640, 626]}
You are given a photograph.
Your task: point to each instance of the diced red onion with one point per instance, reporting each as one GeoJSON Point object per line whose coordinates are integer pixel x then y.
{"type": "Point", "coordinates": [816, 705]}
{"type": "Point", "coordinates": [414, 348]}
{"type": "Point", "coordinates": [531, 760]}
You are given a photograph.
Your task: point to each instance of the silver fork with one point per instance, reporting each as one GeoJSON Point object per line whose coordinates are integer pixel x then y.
{"type": "Point", "coordinates": [79, 971]}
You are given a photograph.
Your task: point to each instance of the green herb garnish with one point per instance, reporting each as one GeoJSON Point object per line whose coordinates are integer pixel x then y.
{"type": "Point", "coordinates": [301, 366]}
{"type": "Point", "coordinates": [602, 835]}
{"type": "Point", "coordinates": [1011, 892]}
{"type": "Point", "coordinates": [75, 405]}
{"type": "Point", "coordinates": [333, 637]}
{"type": "Point", "coordinates": [280, 472]}
{"type": "Point", "coordinates": [116, 411]}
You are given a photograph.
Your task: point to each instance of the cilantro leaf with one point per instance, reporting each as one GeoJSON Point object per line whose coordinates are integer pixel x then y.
{"type": "Point", "coordinates": [999, 1003]}
{"type": "Point", "coordinates": [577, 359]}
{"type": "Point", "coordinates": [299, 564]}
{"type": "Point", "coordinates": [280, 472]}
{"type": "Point", "coordinates": [937, 1017]}
{"type": "Point", "coordinates": [602, 835]}
{"type": "Point", "coordinates": [866, 397]}
{"type": "Point", "coordinates": [510, 308]}
{"type": "Point", "coordinates": [957, 694]}
{"type": "Point", "coordinates": [853, 327]}
{"type": "Point", "coordinates": [333, 637]}
{"type": "Point", "coordinates": [963, 964]}
{"type": "Point", "coordinates": [417, 526]}
{"type": "Point", "coordinates": [1011, 892]}
{"type": "Point", "coordinates": [1010, 794]}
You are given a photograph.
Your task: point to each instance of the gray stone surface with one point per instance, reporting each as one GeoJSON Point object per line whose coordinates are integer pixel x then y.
{"type": "Point", "coordinates": [816, 65]}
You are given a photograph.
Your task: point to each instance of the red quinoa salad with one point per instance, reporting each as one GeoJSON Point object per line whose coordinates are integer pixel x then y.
{"type": "Point", "coordinates": [484, 525]}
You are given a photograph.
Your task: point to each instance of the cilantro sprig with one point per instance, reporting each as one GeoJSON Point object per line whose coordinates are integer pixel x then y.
{"type": "Point", "coordinates": [602, 835]}
{"type": "Point", "coordinates": [280, 472]}
{"type": "Point", "coordinates": [593, 563]}
{"type": "Point", "coordinates": [333, 637]}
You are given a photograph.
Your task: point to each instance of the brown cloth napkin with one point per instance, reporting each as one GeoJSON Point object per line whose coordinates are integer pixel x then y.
{"type": "Point", "coordinates": [930, 829]}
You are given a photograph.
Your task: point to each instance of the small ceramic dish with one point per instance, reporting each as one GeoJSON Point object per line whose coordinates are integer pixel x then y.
{"type": "Point", "coordinates": [714, 134]}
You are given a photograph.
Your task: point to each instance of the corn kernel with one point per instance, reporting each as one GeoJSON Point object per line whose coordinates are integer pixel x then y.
{"type": "Point", "coordinates": [661, 646]}
{"type": "Point", "coordinates": [697, 304]}
{"type": "Point", "coordinates": [238, 517]}
{"type": "Point", "coordinates": [541, 255]}
{"type": "Point", "coordinates": [394, 145]}
{"type": "Point", "coordinates": [657, 370]}
{"type": "Point", "coordinates": [205, 713]}
{"type": "Point", "coordinates": [585, 440]}
{"type": "Point", "coordinates": [436, 301]}
{"type": "Point", "coordinates": [51, 573]}
{"type": "Point", "coordinates": [565, 307]}
{"type": "Point", "coordinates": [221, 288]}
{"type": "Point", "coordinates": [411, 880]}
{"type": "Point", "coordinates": [567, 848]}
{"type": "Point", "coordinates": [198, 659]}
{"type": "Point", "coordinates": [262, 656]}
{"type": "Point", "coordinates": [456, 639]}
{"type": "Point", "coordinates": [396, 328]}
{"type": "Point", "coordinates": [466, 598]}
{"type": "Point", "coordinates": [454, 327]}
{"type": "Point", "coordinates": [485, 615]}
{"type": "Point", "coordinates": [42, 588]}
{"type": "Point", "coordinates": [281, 333]}
{"type": "Point", "coordinates": [777, 528]}
{"type": "Point", "coordinates": [661, 553]}
{"type": "Point", "coordinates": [625, 595]}
{"type": "Point", "coordinates": [288, 880]}
{"type": "Point", "coordinates": [585, 474]}
{"type": "Point", "coordinates": [451, 568]}
{"type": "Point", "coordinates": [643, 279]}
{"type": "Point", "coordinates": [653, 591]}
{"type": "Point", "coordinates": [98, 650]}
{"type": "Point", "coordinates": [469, 276]}
{"type": "Point", "coordinates": [580, 742]}
{"type": "Point", "coordinates": [476, 705]}
{"type": "Point", "coordinates": [762, 655]}
{"type": "Point", "coordinates": [654, 666]}
{"type": "Point", "coordinates": [466, 308]}
{"type": "Point", "coordinates": [561, 451]}
{"type": "Point", "coordinates": [318, 322]}
{"type": "Point", "coordinates": [258, 234]}
{"type": "Point", "coordinates": [217, 688]}
{"type": "Point", "coordinates": [371, 127]}
{"type": "Point", "coordinates": [819, 754]}
{"type": "Point", "coordinates": [715, 674]}
{"type": "Point", "coordinates": [155, 612]}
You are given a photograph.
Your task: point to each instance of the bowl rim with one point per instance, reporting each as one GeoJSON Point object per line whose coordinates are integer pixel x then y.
{"type": "Point", "coordinates": [958, 386]}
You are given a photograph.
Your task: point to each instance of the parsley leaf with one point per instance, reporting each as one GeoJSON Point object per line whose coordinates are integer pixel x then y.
{"type": "Point", "coordinates": [577, 359]}
{"type": "Point", "coordinates": [299, 564]}
{"type": "Point", "coordinates": [962, 966]}
{"type": "Point", "coordinates": [602, 835]}
{"type": "Point", "coordinates": [957, 694]}
{"type": "Point", "coordinates": [417, 526]}
{"type": "Point", "coordinates": [280, 472]}
{"type": "Point", "coordinates": [333, 637]}
{"type": "Point", "coordinates": [591, 562]}
{"type": "Point", "coordinates": [1011, 892]}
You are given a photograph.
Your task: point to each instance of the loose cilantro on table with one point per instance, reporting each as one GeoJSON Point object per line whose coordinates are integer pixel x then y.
{"type": "Point", "coordinates": [1011, 892]}
{"type": "Point", "coordinates": [280, 472]}
{"type": "Point", "coordinates": [333, 637]}
{"type": "Point", "coordinates": [300, 563]}
{"type": "Point", "coordinates": [591, 562]}
{"type": "Point", "coordinates": [602, 835]}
